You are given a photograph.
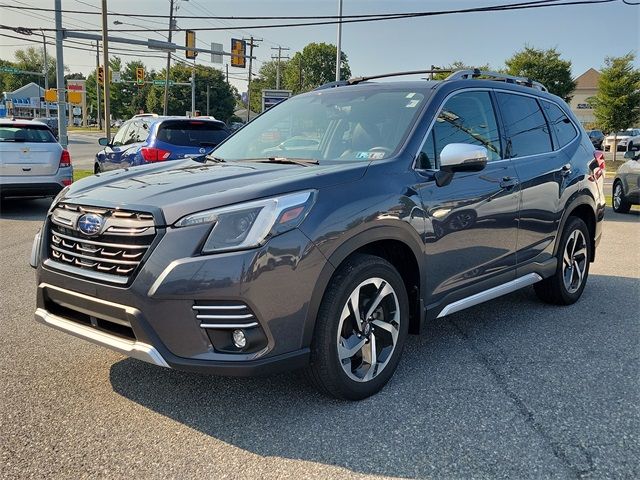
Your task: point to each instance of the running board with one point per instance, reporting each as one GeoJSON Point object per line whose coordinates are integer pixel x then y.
{"type": "Point", "coordinates": [490, 294]}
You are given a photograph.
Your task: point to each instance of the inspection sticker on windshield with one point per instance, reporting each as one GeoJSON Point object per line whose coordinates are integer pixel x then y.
{"type": "Point", "coordinates": [410, 95]}
{"type": "Point", "coordinates": [413, 103]}
{"type": "Point", "coordinates": [370, 155]}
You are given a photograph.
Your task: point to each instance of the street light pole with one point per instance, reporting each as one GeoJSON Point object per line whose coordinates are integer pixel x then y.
{"type": "Point", "coordinates": [62, 104]}
{"type": "Point", "coordinates": [45, 69]}
{"type": "Point", "coordinates": [107, 79]}
{"type": "Point", "coordinates": [166, 77]}
{"type": "Point", "coordinates": [98, 85]}
{"type": "Point", "coordinates": [339, 42]}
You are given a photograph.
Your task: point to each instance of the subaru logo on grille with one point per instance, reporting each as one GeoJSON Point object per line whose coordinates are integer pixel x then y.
{"type": "Point", "coordinates": [90, 224]}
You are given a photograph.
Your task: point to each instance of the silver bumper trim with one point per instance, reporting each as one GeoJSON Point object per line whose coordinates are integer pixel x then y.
{"type": "Point", "coordinates": [134, 349]}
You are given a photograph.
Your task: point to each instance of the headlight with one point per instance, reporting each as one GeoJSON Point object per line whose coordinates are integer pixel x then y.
{"type": "Point", "coordinates": [250, 224]}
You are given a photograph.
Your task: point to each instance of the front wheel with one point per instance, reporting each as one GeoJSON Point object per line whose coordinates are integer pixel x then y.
{"type": "Point", "coordinates": [361, 327]}
{"type": "Point", "coordinates": [565, 286]}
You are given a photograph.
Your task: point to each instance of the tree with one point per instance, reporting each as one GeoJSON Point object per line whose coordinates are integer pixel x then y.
{"type": "Point", "coordinates": [30, 59]}
{"type": "Point", "coordinates": [314, 66]}
{"type": "Point", "coordinates": [617, 103]}
{"type": "Point", "coordinates": [544, 66]}
{"type": "Point", "coordinates": [74, 76]}
{"type": "Point", "coordinates": [458, 65]}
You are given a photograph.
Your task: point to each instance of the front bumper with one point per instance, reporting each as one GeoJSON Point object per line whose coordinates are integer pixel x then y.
{"type": "Point", "coordinates": [153, 318]}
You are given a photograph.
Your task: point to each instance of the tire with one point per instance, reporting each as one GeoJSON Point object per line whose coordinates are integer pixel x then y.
{"type": "Point", "coordinates": [342, 348]}
{"type": "Point", "coordinates": [618, 202]}
{"type": "Point", "coordinates": [97, 169]}
{"type": "Point", "coordinates": [566, 285]}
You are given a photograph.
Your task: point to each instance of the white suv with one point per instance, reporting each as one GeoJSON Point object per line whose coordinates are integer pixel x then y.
{"type": "Point", "coordinates": [625, 140]}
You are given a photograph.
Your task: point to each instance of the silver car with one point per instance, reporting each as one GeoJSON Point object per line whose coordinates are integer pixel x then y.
{"type": "Point", "coordinates": [32, 162]}
{"type": "Point", "coordinates": [626, 186]}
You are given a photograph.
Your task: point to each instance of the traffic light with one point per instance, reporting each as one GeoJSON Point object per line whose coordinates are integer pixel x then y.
{"type": "Point", "coordinates": [101, 75]}
{"type": "Point", "coordinates": [140, 76]}
{"type": "Point", "coordinates": [190, 42]}
{"type": "Point", "coordinates": [238, 52]}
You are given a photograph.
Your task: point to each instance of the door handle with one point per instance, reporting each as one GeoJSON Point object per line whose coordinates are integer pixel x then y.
{"type": "Point", "coordinates": [565, 170]}
{"type": "Point", "coordinates": [508, 182]}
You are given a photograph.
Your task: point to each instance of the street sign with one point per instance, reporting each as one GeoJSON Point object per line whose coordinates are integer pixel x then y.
{"type": "Point", "coordinates": [273, 97]}
{"type": "Point", "coordinates": [238, 53]}
{"type": "Point", "coordinates": [9, 70]}
{"type": "Point", "coordinates": [216, 47]}
{"type": "Point", "coordinates": [161, 82]}
{"type": "Point", "coordinates": [116, 77]}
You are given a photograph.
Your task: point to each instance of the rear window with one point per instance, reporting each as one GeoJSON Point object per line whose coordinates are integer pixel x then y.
{"type": "Point", "coordinates": [192, 134]}
{"type": "Point", "coordinates": [26, 134]}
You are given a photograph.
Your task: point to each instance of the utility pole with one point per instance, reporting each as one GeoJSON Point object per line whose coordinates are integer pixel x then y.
{"type": "Point", "coordinates": [45, 70]}
{"type": "Point", "coordinates": [166, 77]}
{"type": "Point", "coordinates": [279, 57]}
{"type": "Point", "coordinates": [207, 100]}
{"type": "Point", "coordinates": [339, 42]}
{"type": "Point", "coordinates": [433, 67]}
{"type": "Point", "coordinates": [251, 45]}
{"type": "Point", "coordinates": [226, 77]}
{"type": "Point", "coordinates": [62, 104]}
{"type": "Point", "coordinates": [193, 90]}
{"type": "Point", "coordinates": [98, 84]}
{"type": "Point", "coordinates": [107, 77]}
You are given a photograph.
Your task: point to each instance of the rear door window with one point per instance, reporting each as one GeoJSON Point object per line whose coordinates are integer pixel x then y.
{"type": "Point", "coordinates": [192, 133]}
{"type": "Point", "coordinates": [525, 125]}
{"type": "Point", "coordinates": [561, 125]}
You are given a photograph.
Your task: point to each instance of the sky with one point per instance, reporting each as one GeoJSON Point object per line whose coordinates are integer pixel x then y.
{"type": "Point", "coordinates": [583, 34]}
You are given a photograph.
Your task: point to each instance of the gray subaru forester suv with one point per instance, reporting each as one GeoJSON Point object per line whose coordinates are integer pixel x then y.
{"type": "Point", "coordinates": [414, 200]}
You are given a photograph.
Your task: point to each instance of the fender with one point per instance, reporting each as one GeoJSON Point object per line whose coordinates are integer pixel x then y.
{"type": "Point", "coordinates": [398, 231]}
{"type": "Point", "coordinates": [579, 198]}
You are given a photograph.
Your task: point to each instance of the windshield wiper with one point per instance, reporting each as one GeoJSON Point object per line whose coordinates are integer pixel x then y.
{"type": "Point", "coordinates": [211, 158]}
{"type": "Point", "coordinates": [305, 162]}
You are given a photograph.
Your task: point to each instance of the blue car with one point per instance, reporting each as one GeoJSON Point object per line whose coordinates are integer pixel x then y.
{"type": "Point", "coordinates": [148, 138]}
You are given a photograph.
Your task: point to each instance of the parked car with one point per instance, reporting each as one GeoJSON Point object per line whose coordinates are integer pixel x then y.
{"type": "Point", "coordinates": [626, 185]}
{"type": "Point", "coordinates": [52, 123]}
{"type": "Point", "coordinates": [626, 140]}
{"type": "Point", "coordinates": [32, 162]}
{"type": "Point", "coordinates": [242, 263]}
{"type": "Point", "coordinates": [596, 137]}
{"type": "Point", "coordinates": [148, 139]}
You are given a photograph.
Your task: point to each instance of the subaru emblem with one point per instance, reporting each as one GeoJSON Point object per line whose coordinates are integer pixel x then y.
{"type": "Point", "coordinates": [202, 150]}
{"type": "Point", "coordinates": [90, 224]}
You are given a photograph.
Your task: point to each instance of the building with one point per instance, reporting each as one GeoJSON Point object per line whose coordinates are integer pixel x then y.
{"type": "Point", "coordinates": [27, 102]}
{"type": "Point", "coordinates": [586, 87]}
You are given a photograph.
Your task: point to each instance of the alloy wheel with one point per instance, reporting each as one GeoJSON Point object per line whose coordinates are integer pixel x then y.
{"type": "Point", "coordinates": [368, 329]}
{"type": "Point", "coordinates": [617, 196]}
{"type": "Point", "coordinates": [574, 261]}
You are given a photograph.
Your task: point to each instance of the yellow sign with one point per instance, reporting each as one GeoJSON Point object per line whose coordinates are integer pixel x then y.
{"type": "Point", "coordinates": [190, 42]}
{"type": "Point", "coordinates": [238, 52]}
{"type": "Point", "coordinates": [75, 97]}
{"type": "Point", "coordinates": [51, 95]}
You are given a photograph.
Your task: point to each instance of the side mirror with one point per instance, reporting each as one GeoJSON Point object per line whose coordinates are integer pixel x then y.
{"type": "Point", "coordinates": [460, 157]}
{"type": "Point", "coordinates": [104, 141]}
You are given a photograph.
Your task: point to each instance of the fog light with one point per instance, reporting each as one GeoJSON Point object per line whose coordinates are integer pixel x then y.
{"type": "Point", "coordinates": [239, 339]}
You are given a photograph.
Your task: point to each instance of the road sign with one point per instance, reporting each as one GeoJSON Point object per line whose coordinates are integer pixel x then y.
{"type": "Point", "coordinates": [273, 97]}
{"type": "Point", "coordinates": [9, 70]}
{"type": "Point", "coordinates": [161, 82]}
{"type": "Point", "coordinates": [51, 95]}
{"type": "Point", "coordinates": [116, 77]}
{"type": "Point", "coordinates": [238, 53]}
{"type": "Point", "coordinates": [140, 76]}
{"type": "Point", "coordinates": [216, 47]}
{"type": "Point", "coordinates": [190, 42]}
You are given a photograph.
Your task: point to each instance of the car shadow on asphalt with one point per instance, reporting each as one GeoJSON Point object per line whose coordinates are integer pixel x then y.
{"type": "Point", "coordinates": [24, 208]}
{"type": "Point", "coordinates": [506, 388]}
{"type": "Point", "coordinates": [633, 216]}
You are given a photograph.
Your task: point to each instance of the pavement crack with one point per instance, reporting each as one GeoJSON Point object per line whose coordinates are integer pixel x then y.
{"type": "Point", "coordinates": [554, 447]}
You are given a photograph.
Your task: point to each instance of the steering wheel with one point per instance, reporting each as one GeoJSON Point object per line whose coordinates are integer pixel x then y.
{"type": "Point", "coordinates": [380, 149]}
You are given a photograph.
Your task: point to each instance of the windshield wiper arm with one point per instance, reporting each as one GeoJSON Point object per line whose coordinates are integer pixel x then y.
{"type": "Point", "coordinates": [305, 162]}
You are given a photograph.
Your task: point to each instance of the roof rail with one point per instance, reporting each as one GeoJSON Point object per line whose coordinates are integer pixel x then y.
{"type": "Point", "coordinates": [356, 80]}
{"type": "Point", "coordinates": [500, 77]}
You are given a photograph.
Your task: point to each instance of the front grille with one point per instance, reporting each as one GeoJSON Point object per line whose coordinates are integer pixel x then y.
{"type": "Point", "coordinates": [224, 315]}
{"type": "Point", "coordinates": [114, 255]}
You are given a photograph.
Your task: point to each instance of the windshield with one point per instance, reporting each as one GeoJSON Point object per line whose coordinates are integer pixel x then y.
{"type": "Point", "coordinates": [340, 124]}
{"type": "Point", "coordinates": [625, 133]}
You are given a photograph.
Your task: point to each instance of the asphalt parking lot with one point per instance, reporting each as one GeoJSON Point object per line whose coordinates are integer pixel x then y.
{"type": "Point", "coordinates": [509, 389]}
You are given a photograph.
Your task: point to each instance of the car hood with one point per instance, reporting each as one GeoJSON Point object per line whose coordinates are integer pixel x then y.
{"type": "Point", "coordinates": [176, 189]}
{"type": "Point", "coordinates": [619, 137]}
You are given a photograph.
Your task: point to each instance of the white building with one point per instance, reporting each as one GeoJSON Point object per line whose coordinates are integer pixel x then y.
{"type": "Point", "coordinates": [587, 86]}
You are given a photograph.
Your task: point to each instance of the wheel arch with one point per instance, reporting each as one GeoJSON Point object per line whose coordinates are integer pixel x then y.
{"type": "Point", "coordinates": [394, 245]}
{"type": "Point", "coordinates": [583, 207]}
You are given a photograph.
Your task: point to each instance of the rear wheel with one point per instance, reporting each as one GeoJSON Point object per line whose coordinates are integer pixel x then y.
{"type": "Point", "coordinates": [619, 203]}
{"type": "Point", "coordinates": [360, 330]}
{"type": "Point", "coordinates": [565, 286]}
{"type": "Point", "coordinates": [96, 168]}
